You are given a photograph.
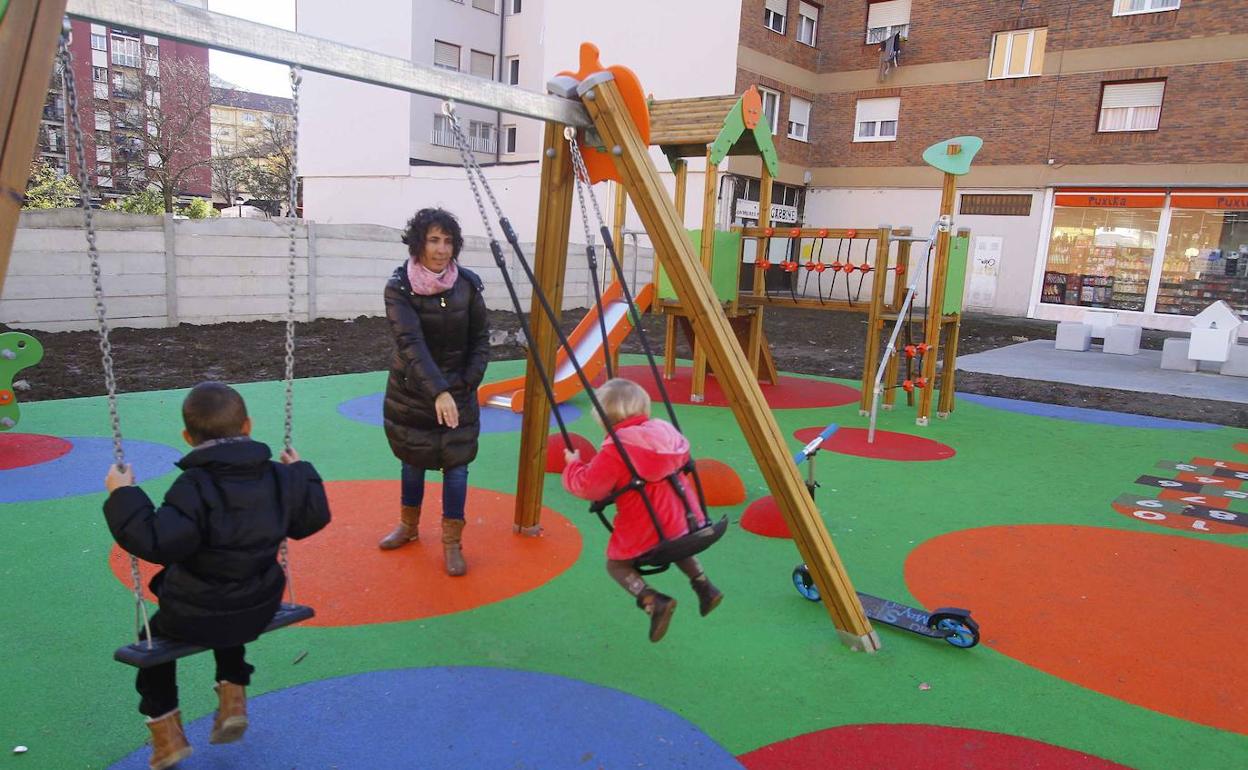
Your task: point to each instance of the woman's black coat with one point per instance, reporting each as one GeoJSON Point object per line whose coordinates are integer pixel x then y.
{"type": "Point", "coordinates": [442, 343]}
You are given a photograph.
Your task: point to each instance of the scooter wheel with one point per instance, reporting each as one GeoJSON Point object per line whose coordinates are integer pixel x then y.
{"type": "Point", "coordinates": [958, 628]}
{"type": "Point", "coordinates": [804, 583]}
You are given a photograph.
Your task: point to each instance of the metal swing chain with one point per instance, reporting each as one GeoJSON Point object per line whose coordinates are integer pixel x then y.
{"type": "Point", "coordinates": [580, 177]}
{"type": "Point", "coordinates": [296, 79]}
{"type": "Point", "coordinates": [142, 624]}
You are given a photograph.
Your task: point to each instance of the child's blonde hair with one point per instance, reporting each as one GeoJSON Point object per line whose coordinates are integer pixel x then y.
{"type": "Point", "coordinates": [621, 399]}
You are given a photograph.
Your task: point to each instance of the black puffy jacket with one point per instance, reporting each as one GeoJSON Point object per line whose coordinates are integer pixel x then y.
{"type": "Point", "coordinates": [442, 343]}
{"type": "Point", "coordinates": [218, 533]}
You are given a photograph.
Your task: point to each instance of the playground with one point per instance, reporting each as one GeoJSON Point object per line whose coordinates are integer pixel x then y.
{"type": "Point", "coordinates": [1091, 588]}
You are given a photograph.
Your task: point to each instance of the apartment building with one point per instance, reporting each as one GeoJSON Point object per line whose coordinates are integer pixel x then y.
{"type": "Point", "coordinates": [1113, 170]}
{"type": "Point", "coordinates": [118, 74]}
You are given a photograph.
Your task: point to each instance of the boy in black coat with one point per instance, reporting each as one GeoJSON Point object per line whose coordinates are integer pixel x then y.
{"type": "Point", "coordinates": [217, 533]}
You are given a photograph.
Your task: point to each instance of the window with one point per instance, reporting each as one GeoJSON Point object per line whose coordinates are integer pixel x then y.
{"type": "Point", "coordinates": [481, 64]}
{"type": "Point", "coordinates": [248, 119]}
{"type": "Point", "coordinates": [887, 19]}
{"type": "Point", "coordinates": [1132, 106]}
{"type": "Point", "coordinates": [799, 119]}
{"type": "Point", "coordinates": [1206, 252]}
{"type": "Point", "coordinates": [1128, 7]}
{"type": "Point", "coordinates": [773, 15]}
{"type": "Point", "coordinates": [481, 136]}
{"type": "Point", "coordinates": [1017, 53]}
{"type": "Point", "coordinates": [509, 139]}
{"type": "Point", "coordinates": [513, 70]}
{"type": "Point", "coordinates": [99, 74]}
{"type": "Point", "coordinates": [485, 5]}
{"type": "Point", "coordinates": [807, 23]}
{"type": "Point", "coordinates": [125, 51]}
{"type": "Point", "coordinates": [152, 98]}
{"type": "Point", "coordinates": [101, 120]}
{"type": "Point", "coordinates": [771, 107]}
{"type": "Point", "coordinates": [99, 90]}
{"type": "Point", "coordinates": [98, 42]}
{"type": "Point", "coordinates": [442, 134]}
{"type": "Point", "coordinates": [445, 55]}
{"type": "Point", "coordinates": [515, 7]}
{"type": "Point", "coordinates": [875, 120]}
{"type": "Point", "coordinates": [995, 205]}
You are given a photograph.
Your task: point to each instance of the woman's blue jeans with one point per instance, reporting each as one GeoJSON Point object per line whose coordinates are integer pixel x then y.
{"type": "Point", "coordinates": [454, 489]}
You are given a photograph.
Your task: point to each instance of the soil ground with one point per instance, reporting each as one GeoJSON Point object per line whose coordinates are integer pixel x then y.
{"type": "Point", "coordinates": [803, 342]}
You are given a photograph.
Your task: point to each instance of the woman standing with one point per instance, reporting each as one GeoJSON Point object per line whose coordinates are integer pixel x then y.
{"type": "Point", "coordinates": [438, 318]}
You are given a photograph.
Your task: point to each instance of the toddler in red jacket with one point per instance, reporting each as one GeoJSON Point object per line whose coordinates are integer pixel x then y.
{"type": "Point", "coordinates": [657, 450]}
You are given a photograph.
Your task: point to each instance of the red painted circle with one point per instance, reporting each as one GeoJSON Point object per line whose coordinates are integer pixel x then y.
{"type": "Point", "coordinates": [788, 393]}
{"type": "Point", "coordinates": [1242, 447]}
{"type": "Point", "coordinates": [1114, 611]}
{"type": "Point", "coordinates": [19, 450]}
{"type": "Point", "coordinates": [763, 517]}
{"type": "Point", "coordinates": [350, 581]}
{"type": "Point", "coordinates": [555, 449]}
{"type": "Point", "coordinates": [868, 747]}
{"type": "Point", "coordinates": [887, 445]}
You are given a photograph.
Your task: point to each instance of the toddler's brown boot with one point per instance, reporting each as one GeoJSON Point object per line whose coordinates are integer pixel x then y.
{"type": "Point", "coordinates": [169, 744]}
{"type": "Point", "coordinates": [660, 608]}
{"type": "Point", "coordinates": [231, 720]}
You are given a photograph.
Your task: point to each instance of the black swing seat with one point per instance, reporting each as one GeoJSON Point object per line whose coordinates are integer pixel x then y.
{"type": "Point", "coordinates": [658, 558]}
{"type": "Point", "coordinates": [164, 650]}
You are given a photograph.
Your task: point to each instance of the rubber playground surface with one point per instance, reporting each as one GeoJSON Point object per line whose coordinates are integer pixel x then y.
{"type": "Point", "coordinates": [1103, 559]}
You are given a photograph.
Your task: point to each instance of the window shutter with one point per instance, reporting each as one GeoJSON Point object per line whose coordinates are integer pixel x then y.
{"type": "Point", "coordinates": [878, 109]}
{"type": "Point", "coordinates": [482, 65]}
{"type": "Point", "coordinates": [1133, 94]}
{"type": "Point", "coordinates": [892, 13]}
{"type": "Point", "coordinates": [779, 6]}
{"type": "Point", "coordinates": [484, 5]}
{"type": "Point", "coordinates": [445, 55]}
{"type": "Point", "coordinates": [808, 10]}
{"type": "Point", "coordinates": [799, 111]}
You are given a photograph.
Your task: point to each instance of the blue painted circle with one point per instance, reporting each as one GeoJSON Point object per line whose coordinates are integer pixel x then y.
{"type": "Point", "coordinates": [452, 717]}
{"type": "Point", "coordinates": [81, 470]}
{"type": "Point", "coordinates": [367, 409]}
{"type": "Point", "coordinates": [1082, 414]}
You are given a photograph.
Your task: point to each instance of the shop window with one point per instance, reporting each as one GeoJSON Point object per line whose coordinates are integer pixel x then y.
{"type": "Point", "coordinates": [885, 19]}
{"type": "Point", "coordinates": [1134, 106]}
{"type": "Point", "coordinates": [996, 205]}
{"type": "Point", "coordinates": [807, 23]}
{"type": "Point", "coordinates": [771, 107]}
{"type": "Point", "coordinates": [1017, 53]}
{"type": "Point", "coordinates": [1206, 256]}
{"type": "Point", "coordinates": [799, 119]}
{"type": "Point", "coordinates": [875, 120]}
{"type": "Point", "coordinates": [1130, 7]}
{"type": "Point", "coordinates": [773, 15]}
{"type": "Point", "coordinates": [1101, 248]}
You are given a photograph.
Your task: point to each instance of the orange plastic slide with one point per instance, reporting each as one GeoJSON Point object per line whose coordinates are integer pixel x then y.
{"type": "Point", "coordinates": [586, 343]}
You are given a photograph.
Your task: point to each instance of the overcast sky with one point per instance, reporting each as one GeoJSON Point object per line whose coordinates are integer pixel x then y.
{"type": "Point", "coordinates": [251, 74]}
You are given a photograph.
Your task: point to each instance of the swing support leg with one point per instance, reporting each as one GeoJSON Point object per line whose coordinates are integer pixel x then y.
{"type": "Point", "coordinates": [693, 287]}
{"type": "Point", "coordinates": [549, 264]}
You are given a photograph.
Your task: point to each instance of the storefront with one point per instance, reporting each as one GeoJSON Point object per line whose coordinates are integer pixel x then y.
{"type": "Point", "coordinates": [1158, 252]}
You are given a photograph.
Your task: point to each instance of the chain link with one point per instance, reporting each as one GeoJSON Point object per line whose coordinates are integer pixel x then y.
{"type": "Point", "coordinates": [142, 624]}
{"type": "Point", "coordinates": [296, 79]}
{"type": "Point", "coordinates": [472, 168]}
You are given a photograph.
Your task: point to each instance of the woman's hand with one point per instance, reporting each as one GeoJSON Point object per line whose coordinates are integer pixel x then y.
{"type": "Point", "coordinates": [118, 478]}
{"type": "Point", "coordinates": [289, 456]}
{"type": "Point", "coordinates": [447, 411]}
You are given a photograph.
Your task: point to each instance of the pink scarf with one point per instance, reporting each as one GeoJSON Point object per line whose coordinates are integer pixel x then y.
{"type": "Point", "coordinates": [427, 283]}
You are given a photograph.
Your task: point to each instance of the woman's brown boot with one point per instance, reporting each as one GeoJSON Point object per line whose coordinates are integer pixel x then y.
{"type": "Point", "coordinates": [231, 720]}
{"type": "Point", "coordinates": [408, 530]}
{"type": "Point", "coordinates": [452, 552]}
{"type": "Point", "coordinates": [169, 745]}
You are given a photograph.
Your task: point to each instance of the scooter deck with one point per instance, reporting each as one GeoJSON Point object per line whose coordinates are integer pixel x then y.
{"type": "Point", "coordinates": [898, 615]}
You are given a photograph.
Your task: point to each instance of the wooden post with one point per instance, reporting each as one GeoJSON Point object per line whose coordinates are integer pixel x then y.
{"type": "Point", "coordinates": [549, 266]}
{"type": "Point", "coordinates": [936, 298]}
{"type": "Point", "coordinates": [706, 254]}
{"type": "Point", "coordinates": [28, 38]}
{"type": "Point", "coordinates": [875, 324]}
{"type": "Point", "coordinates": [693, 287]}
{"type": "Point", "coordinates": [755, 340]}
{"type": "Point", "coordinates": [949, 368]}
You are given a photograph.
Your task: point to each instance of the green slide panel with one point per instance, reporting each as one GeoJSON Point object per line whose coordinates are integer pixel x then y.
{"type": "Point", "coordinates": [725, 257]}
{"type": "Point", "coordinates": [955, 280]}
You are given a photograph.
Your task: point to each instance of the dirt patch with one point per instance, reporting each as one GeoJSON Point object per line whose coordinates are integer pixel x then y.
{"type": "Point", "coordinates": [803, 341]}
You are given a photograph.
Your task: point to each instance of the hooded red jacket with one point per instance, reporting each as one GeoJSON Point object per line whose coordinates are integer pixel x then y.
{"type": "Point", "coordinates": [656, 450]}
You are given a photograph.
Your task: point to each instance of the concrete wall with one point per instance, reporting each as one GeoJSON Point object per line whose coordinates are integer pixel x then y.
{"type": "Point", "coordinates": [157, 271]}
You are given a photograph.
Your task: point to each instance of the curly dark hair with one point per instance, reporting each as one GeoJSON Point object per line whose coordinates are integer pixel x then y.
{"type": "Point", "coordinates": [418, 227]}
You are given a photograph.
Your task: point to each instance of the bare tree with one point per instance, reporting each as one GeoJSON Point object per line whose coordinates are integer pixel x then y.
{"type": "Point", "coordinates": [229, 173]}
{"type": "Point", "coordinates": [272, 150]}
{"type": "Point", "coordinates": [159, 116]}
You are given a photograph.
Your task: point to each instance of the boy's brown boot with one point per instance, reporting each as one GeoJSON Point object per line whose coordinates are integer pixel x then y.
{"type": "Point", "coordinates": [169, 745]}
{"type": "Point", "coordinates": [660, 608]}
{"type": "Point", "coordinates": [452, 549]}
{"type": "Point", "coordinates": [231, 720]}
{"type": "Point", "coordinates": [408, 530]}
{"type": "Point", "coordinates": [709, 596]}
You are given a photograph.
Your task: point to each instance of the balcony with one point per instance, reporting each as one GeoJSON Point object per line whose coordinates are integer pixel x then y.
{"type": "Point", "coordinates": [482, 144]}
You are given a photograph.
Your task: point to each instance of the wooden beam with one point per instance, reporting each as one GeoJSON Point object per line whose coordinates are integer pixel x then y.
{"type": "Point", "coordinates": [706, 254]}
{"type": "Point", "coordinates": [28, 37]}
{"type": "Point", "coordinates": [754, 415]}
{"type": "Point", "coordinates": [936, 299]}
{"type": "Point", "coordinates": [549, 266]}
{"type": "Point", "coordinates": [871, 359]}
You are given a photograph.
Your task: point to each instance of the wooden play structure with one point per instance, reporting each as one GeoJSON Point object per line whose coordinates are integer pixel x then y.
{"type": "Point", "coordinates": [605, 99]}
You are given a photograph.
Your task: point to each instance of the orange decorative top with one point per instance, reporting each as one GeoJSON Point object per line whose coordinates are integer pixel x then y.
{"type": "Point", "coordinates": [598, 160]}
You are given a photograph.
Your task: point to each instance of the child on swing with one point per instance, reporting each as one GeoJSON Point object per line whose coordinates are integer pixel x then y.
{"type": "Point", "coordinates": [217, 533]}
{"type": "Point", "coordinates": [657, 450]}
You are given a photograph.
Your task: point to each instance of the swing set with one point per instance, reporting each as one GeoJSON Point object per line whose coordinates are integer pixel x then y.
{"type": "Point", "coordinates": [595, 130]}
